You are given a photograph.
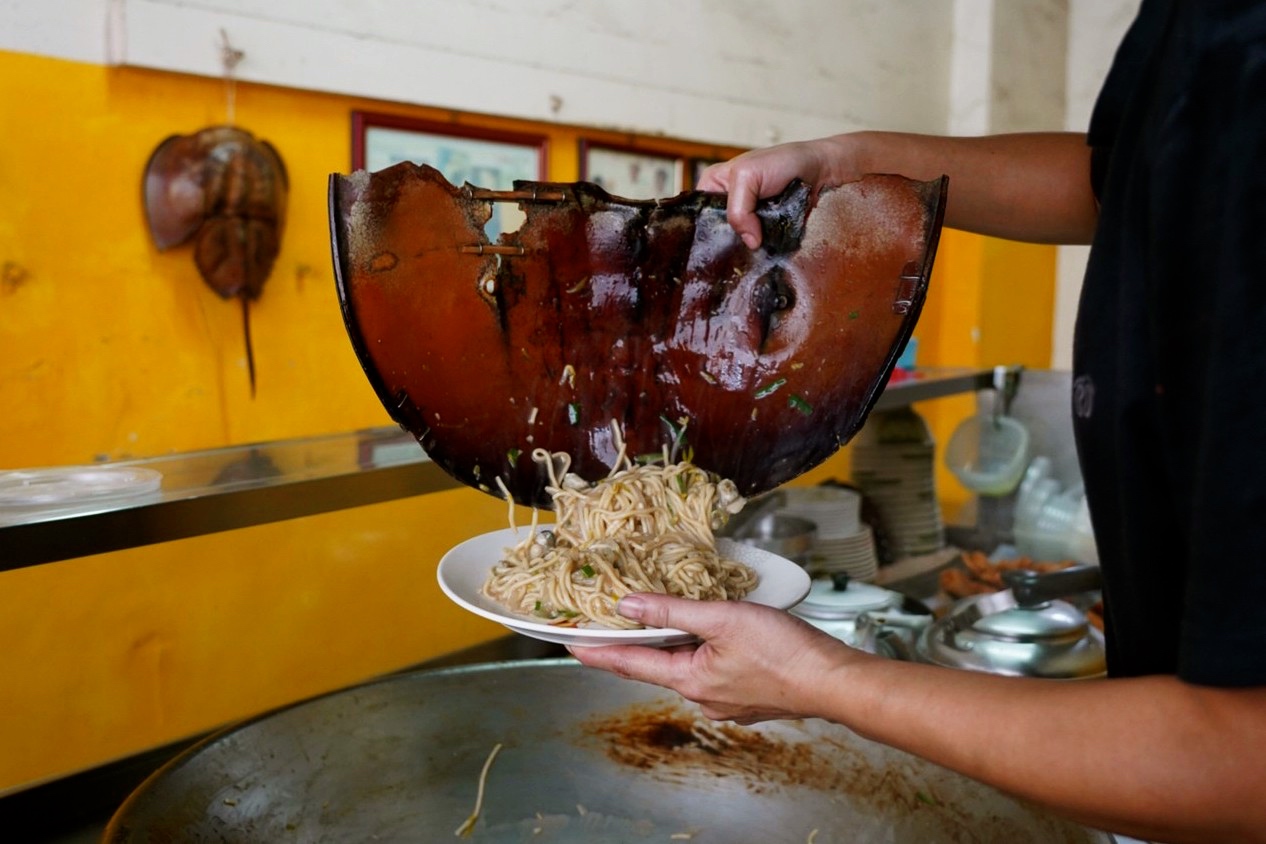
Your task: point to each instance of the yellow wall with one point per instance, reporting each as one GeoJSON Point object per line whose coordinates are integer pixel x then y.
{"type": "Point", "coordinates": [107, 655]}
{"type": "Point", "coordinates": [990, 303]}
{"type": "Point", "coordinates": [113, 350]}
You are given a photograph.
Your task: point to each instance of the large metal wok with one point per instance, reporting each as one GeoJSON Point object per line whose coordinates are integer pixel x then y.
{"type": "Point", "coordinates": [586, 757]}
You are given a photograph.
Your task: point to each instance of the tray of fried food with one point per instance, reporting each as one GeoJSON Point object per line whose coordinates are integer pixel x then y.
{"type": "Point", "coordinates": [978, 575]}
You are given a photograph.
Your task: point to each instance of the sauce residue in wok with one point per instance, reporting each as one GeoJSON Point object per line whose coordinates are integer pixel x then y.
{"type": "Point", "coordinates": [674, 742]}
{"type": "Point", "coordinates": [667, 740]}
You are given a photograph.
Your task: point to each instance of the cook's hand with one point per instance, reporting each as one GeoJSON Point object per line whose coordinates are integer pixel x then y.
{"type": "Point", "coordinates": [765, 172]}
{"type": "Point", "coordinates": [755, 663]}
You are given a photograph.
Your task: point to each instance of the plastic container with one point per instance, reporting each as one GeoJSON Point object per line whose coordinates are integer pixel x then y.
{"type": "Point", "coordinates": [988, 454]}
{"type": "Point", "coordinates": [1052, 523]}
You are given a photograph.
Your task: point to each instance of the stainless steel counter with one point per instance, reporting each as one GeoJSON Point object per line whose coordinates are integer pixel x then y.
{"type": "Point", "coordinates": [223, 489]}
{"type": "Point", "coordinates": [241, 486]}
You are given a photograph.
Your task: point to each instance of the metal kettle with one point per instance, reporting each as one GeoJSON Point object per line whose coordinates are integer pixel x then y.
{"type": "Point", "coordinates": [1022, 631]}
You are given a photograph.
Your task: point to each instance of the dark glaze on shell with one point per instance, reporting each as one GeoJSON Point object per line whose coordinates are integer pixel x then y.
{"type": "Point", "coordinates": [651, 314]}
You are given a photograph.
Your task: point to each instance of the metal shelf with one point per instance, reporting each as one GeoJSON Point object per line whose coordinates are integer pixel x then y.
{"type": "Point", "coordinates": [224, 489]}
{"type": "Point", "coordinates": [934, 383]}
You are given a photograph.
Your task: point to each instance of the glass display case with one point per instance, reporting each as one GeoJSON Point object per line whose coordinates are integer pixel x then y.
{"type": "Point", "coordinates": [59, 513]}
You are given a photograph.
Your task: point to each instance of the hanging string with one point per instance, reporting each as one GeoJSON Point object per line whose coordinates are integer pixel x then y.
{"type": "Point", "coordinates": [229, 58]}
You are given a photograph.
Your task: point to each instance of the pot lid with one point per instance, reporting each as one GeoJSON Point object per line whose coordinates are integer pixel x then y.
{"type": "Point", "coordinates": [827, 601]}
{"type": "Point", "coordinates": [1054, 619]}
{"type": "Point", "coordinates": [989, 633]}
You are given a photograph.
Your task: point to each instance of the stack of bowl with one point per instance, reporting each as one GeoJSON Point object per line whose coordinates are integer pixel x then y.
{"type": "Point", "coordinates": [843, 544]}
{"type": "Point", "coordinates": [893, 466]}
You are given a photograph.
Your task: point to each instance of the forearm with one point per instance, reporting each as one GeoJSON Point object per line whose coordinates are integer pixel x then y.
{"type": "Point", "coordinates": [1033, 187]}
{"type": "Point", "coordinates": [1152, 757]}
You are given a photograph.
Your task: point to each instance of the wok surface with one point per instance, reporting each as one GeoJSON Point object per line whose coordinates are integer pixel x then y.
{"type": "Point", "coordinates": [586, 757]}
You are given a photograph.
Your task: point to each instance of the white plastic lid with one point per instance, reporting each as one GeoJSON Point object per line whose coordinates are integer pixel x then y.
{"type": "Point", "coordinates": [825, 601]}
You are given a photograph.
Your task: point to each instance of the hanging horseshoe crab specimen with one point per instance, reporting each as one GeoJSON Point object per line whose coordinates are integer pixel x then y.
{"type": "Point", "coordinates": [227, 191]}
{"type": "Point", "coordinates": [649, 315]}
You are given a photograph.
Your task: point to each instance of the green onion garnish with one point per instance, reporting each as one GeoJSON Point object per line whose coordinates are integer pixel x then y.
{"type": "Point", "coordinates": [799, 404]}
{"type": "Point", "coordinates": [770, 389]}
{"type": "Point", "coordinates": [672, 428]}
{"type": "Point", "coordinates": [587, 570]}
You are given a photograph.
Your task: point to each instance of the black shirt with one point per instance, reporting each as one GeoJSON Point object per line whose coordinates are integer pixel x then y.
{"type": "Point", "coordinates": [1169, 389]}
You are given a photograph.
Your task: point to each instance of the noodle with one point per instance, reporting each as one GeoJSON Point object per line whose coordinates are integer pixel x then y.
{"type": "Point", "coordinates": [645, 528]}
{"type": "Point", "coordinates": [468, 826]}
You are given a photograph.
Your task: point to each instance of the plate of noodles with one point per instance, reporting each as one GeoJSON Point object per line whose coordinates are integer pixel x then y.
{"type": "Point", "coordinates": [466, 570]}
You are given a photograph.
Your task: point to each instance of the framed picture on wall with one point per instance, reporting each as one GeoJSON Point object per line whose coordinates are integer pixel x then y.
{"type": "Point", "coordinates": [486, 158]}
{"type": "Point", "coordinates": [698, 165]}
{"type": "Point", "coordinates": [631, 173]}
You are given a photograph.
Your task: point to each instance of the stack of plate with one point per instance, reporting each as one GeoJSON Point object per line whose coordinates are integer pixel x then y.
{"type": "Point", "coordinates": [843, 543]}
{"type": "Point", "coordinates": [893, 465]}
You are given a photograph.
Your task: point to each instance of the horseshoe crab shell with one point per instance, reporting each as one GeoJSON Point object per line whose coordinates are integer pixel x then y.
{"type": "Point", "coordinates": [226, 190]}
{"type": "Point", "coordinates": [651, 315]}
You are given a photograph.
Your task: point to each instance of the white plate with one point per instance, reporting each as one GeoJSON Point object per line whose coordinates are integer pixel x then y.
{"type": "Point", "coordinates": [39, 494]}
{"type": "Point", "coordinates": [463, 570]}
{"type": "Point", "coordinates": [74, 484]}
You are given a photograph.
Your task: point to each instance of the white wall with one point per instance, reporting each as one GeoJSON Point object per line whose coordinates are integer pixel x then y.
{"type": "Point", "coordinates": [67, 29]}
{"type": "Point", "coordinates": [743, 72]}
{"type": "Point", "coordinates": [1006, 72]}
{"type": "Point", "coordinates": [1030, 48]}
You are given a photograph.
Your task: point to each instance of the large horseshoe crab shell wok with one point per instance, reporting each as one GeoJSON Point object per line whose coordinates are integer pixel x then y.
{"type": "Point", "coordinates": [649, 314]}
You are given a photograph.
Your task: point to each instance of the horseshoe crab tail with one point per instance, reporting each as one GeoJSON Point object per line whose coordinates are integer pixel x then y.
{"type": "Point", "coordinates": [246, 331]}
